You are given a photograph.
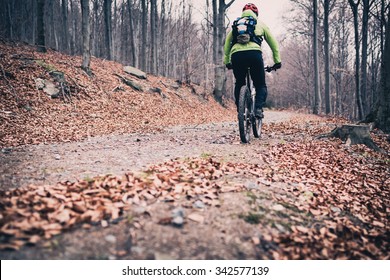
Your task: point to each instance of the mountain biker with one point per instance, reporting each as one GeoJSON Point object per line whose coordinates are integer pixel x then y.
{"type": "Point", "coordinates": [240, 57]}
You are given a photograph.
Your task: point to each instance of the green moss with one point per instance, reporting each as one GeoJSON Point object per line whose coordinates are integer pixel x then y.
{"type": "Point", "coordinates": [206, 155]}
{"type": "Point", "coordinates": [48, 67]}
{"type": "Point", "coordinates": [89, 180]}
{"type": "Point", "coordinates": [252, 218]}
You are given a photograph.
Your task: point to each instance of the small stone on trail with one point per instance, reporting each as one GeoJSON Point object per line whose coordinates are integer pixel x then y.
{"type": "Point", "coordinates": [110, 238]}
{"type": "Point", "coordinates": [335, 209]}
{"type": "Point", "coordinates": [57, 157]}
{"type": "Point", "coordinates": [6, 151]}
{"type": "Point", "coordinates": [178, 212]}
{"type": "Point", "coordinates": [251, 186]}
{"type": "Point", "coordinates": [178, 216]}
{"type": "Point", "coordinates": [199, 204]}
{"type": "Point", "coordinates": [178, 221]}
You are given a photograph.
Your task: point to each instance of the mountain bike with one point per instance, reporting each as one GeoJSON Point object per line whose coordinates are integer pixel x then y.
{"type": "Point", "coordinates": [246, 110]}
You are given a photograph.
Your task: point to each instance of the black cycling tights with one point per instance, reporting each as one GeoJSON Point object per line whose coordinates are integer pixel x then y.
{"type": "Point", "coordinates": [253, 59]}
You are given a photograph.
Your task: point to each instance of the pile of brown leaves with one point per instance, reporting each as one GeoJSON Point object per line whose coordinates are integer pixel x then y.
{"type": "Point", "coordinates": [29, 214]}
{"type": "Point", "coordinates": [346, 192]}
{"type": "Point", "coordinates": [100, 104]}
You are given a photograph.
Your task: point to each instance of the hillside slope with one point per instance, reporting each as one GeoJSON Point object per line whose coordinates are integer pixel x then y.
{"type": "Point", "coordinates": [98, 105]}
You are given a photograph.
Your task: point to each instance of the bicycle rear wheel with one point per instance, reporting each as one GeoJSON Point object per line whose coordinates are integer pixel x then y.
{"type": "Point", "coordinates": [244, 118]}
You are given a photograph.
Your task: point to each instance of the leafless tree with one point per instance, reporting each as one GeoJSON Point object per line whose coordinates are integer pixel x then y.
{"type": "Point", "coordinates": [317, 93]}
{"type": "Point", "coordinates": [219, 33]}
{"type": "Point", "coordinates": [358, 94]}
{"type": "Point", "coordinates": [108, 28]}
{"type": "Point", "coordinates": [383, 116]}
{"type": "Point", "coordinates": [131, 32]}
{"type": "Point", "coordinates": [64, 9]}
{"type": "Point", "coordinates": [144, 28]}
{"type": "Point", "coordinates": [327, 56]}
{"type": "Point", "coordinates": [41, 26]}
{"type": "Point", "coordinates": [86, 30]}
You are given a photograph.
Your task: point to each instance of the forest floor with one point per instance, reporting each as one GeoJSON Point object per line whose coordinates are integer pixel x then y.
{"type": "Point", "coordinates": [180, 183]}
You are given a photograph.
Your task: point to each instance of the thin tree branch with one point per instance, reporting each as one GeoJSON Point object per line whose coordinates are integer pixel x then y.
{"type": "Point", "coordinates": [229, 4]}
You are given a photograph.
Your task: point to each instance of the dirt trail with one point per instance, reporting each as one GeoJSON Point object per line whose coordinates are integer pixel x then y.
{"type": "Point", "coordinates": [266, 209]}
{"type": "Point", "coordinates": [116, 154]}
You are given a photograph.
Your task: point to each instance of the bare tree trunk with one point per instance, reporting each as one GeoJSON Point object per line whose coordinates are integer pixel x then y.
{"type": "Point", "coordinates": [383, 25]}
{"type": "Point", "coordinates": [168, 59]}
{"type": "Point", "coordinates": [383, 117]}
{"type": "Point", "coordinates": [115, 33]}
{"type": "Point", "coordinates": [34, 23]}
{"type": "Point", "coordinates": [363, 85]}
{"type": "Point", "coordinates": [327, 56]}
{"type": "Point", "coordinates": [65, 25]}
{"type": "Point", "coordinates": [207, 48]}
{"type": "Point", "coordinates": [131, 31]}
{"type": "Point", "coordinates": [41, 26]}
{"type": "Point", "coordinates": [354, 7]}
{"type": "Point", "coordinates": [108, 28]}
{"type": "Point", "coordinates": [218, 38]}
{"type": "Point", "coordinates": [153, 36]}
{"type": "Point", "coordinates": [9, 19]}
{"type": "Point", "coordinates": [215, 32]}
{"type": "Point", "coordinates": [86, 30]}
{"type": "Point", "coordinates": [53, 38]}
{"type": "Point", "coordinates": [162, 39]}
{"type": "Point", "coordinates": [95, 46]}
{"type": "Point", "coordinates": [144, 34]}
{"type": "Point", "coordinates": [317, 93]}
{"type": "Point", "coordinates": [73, 29]}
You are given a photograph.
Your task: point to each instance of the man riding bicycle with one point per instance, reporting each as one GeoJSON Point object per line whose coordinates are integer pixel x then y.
{"type": "Point", "coordinates": [241, 55]}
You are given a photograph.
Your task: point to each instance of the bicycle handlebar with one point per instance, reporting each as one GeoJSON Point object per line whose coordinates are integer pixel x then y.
{"type": "Point", "coordinates": [270, 69]}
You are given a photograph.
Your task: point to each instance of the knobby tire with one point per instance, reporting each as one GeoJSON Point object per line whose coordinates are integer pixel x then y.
{"type": "Point", "coordinates": [244, 108]}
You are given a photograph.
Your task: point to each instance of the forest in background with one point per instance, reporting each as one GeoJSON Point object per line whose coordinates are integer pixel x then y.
{"type": "Point", "coordinates": [333, 51]}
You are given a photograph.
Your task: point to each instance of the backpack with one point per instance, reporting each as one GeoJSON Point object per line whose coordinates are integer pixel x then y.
{"type": "Point", "coordinates": [244, 31]}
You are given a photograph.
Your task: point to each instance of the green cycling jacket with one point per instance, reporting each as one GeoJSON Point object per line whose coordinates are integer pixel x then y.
{"type": "Point", "coordinates": [261, 30]}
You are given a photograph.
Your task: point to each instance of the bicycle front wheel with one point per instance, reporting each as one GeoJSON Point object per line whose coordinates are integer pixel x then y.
{"type": "Point", "coordinates": [244, 118]}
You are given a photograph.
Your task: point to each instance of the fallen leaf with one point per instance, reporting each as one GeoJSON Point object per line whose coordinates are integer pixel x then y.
{"type": "Point", "coordinates": [378, 224]}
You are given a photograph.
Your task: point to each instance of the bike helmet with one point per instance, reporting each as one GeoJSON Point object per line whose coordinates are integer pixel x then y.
{"type": "Point", "coordinates": [252, 7]}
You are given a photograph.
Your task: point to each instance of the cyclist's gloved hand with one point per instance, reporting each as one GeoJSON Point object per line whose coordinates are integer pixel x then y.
{"type": "Point", "coordinates": [229, 66]}
{"type": "Point", "coordinates": [277, 66]}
